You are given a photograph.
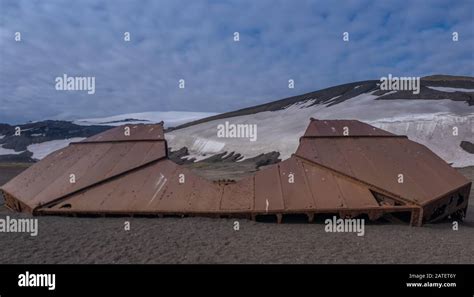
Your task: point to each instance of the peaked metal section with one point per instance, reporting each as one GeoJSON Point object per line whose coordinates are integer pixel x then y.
{"type": "Point", "coordinates": [83, 164]}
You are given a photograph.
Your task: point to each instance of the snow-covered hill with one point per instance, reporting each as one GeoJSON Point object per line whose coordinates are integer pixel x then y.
{"type": "Point", "coordinates": [38, 139]}
{"type": "Point", "coordinates": [440, 124]}
{"type": "Point", "coordinates": [441, 116]}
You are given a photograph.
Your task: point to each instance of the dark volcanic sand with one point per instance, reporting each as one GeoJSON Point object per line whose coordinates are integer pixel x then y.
{"type": "Point", "coordinates": [203, 240]}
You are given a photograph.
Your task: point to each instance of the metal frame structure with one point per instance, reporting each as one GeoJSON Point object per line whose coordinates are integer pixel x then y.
{"type": "Point", "coordinates": [341, 167]}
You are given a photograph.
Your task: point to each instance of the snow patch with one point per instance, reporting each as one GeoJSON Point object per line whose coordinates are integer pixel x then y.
{"type": "Point", "coordinates": [4, 151]}
{"type": "Point", "coordinates": [202, 145]}
{"type": "Point", "coordinates": [436, 133]}
{"type": "Point", "coordinates": [41, 150]}
{"type": "Point", "coordinates": [196, 157]}
{"type": "Point", "coordinates": [451, 90]}
{"type": "Point", "coordinates": [331, 100]}
{"type": "Point", "coordinates": [425, 121]}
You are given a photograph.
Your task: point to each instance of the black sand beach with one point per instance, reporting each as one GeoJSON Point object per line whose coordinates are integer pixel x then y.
{"type": "Point", "coordinates": [204, 240]}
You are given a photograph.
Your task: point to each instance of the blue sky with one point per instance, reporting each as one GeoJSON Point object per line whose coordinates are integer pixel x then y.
{"type": "Point", "coordinates": [193, 40]}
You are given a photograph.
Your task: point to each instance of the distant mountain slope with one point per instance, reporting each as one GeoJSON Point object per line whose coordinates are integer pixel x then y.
{"type": "Point", "coordinates": [444, 103]}
{"type": "Point", "coordinates": [171, 118]}
{"type": "Point", "coordinates": [38, 139]}
{"type": "Point", "coordinates": [22, 148]}
{"type": "Point", "coordinates": [429, 118]}
{"type": "Point", "coordinates": [340, 93]}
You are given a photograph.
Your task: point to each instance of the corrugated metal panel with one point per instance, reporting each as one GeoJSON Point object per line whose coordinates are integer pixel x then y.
{"type": "Point", "coordinates": [153, 188]}
{"type": "Point", "coordinates": [268, 193]}
{"type": "Point", "coordinates": [355, 196]}
{"type": "Point", "coordinates": [163, 191]}
{"type": "Point", "coordinates": [324, 151]}
{"type": "Point", "coordinates": [32, 181]}
{"type": "Point", "coordinates": [238, 196]}
{"type": "Point", "coordinates": [89, 162]}
{"type": "Point", "coordinates": [195, 195]}
{"type": "Point", "coordinates": [380, 161]}
{"type": "Point", "coordinates": [384, 163]}
{"type": "Point", "coordinates": [324, 187]}
{"type": "Point", "coordinates": [296, 193]}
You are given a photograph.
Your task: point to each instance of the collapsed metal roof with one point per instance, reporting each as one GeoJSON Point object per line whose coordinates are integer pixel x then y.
{"type": "Point", "coordinates": [341, 167]}
{"type": "Point", "coordinates": [87, 163]}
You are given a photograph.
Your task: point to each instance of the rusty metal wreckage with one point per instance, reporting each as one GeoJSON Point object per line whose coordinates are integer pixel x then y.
{"type": "Point", "coordinates": [332, 172]}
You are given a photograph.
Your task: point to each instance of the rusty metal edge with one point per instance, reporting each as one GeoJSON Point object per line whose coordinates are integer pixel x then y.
{"type": "Point", "coordinates": [439, 197]}
{"type": "Point", "coordinates": [353, 136]}
{"type": "Point", "coordinates": [115, 141]}
{"type": "Point", "coordinates": [416, 213]}
{"type": "Point", "coordinates": [230, 212]}
{"type": "Point", "coordinates": [24, 207]}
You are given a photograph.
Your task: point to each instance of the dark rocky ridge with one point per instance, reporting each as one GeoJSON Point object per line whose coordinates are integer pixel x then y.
{"type": "Point", "coordinates": [467, 146]}
{"type": "Point", "coordinates": [39, 132]}
{"type": "Point", "coordinates": [224, 165]}
{"type": "Point", "coordinates": [231, 166]}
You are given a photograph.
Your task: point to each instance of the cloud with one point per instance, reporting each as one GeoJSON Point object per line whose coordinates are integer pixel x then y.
{"type": "Point", "coordinates": [193, 40]}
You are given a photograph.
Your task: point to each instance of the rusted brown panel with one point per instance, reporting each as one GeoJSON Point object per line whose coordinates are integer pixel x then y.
{"type": "Point", "coordinates": [324, 187]}
{"type": "Point", "coordinates": [388, 161]}
{"type": "Point", "coordinates": [62, 185]}
{"type": "Point", "coordinates": [138, 153]}
{"type": "Point", "coordinates": [443, 175]}
{"type": "Point", "coordinates": [125, 193]}
{"type": "Point", "coordinates": [28, 184]}
{"type": "Point", "coordinates": [420, 168]}
{"type": "Point", "coordinates": [332, 191]}
{"type": "Point", "coordinates": [379, 161]}
{"type": "Point", "coordinates": [94, 167]}
{"type": "Point", "coordinates": [180, 191]}
{"type": "Point", "coordinates": [451, 202]}
{"type": "Point", "coordinates": [326, 152]}
{"type": "Point", "coordinates": [165, 192]}
{"type": "Point", "coordinates": [268, 192]}
{"type": "Point", "coordinates": [238, 196]}
{"type": "Point", "coordinates": [26, 179]}
{"type": "Point", "coordinates": [385, 160]}
{"type": "Point", "coordinates": [138, 132]}
{"type": "Point", "coordinates": [206, 196]}
{"type": "Point", "coordinates": [296, 194]}
{"type": "Point", "coordinates": [157, 150]}
{"type": "Point", "coordinates": [49, 179]}
{"type": "Point", "coordinates": [154, 188]}
{"type": "Point", "coordinates": [14, 204]}
{"type": "Point", "coordinates": [356, 196]}
{"type": "Point", "coordinates": [327, 128]}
